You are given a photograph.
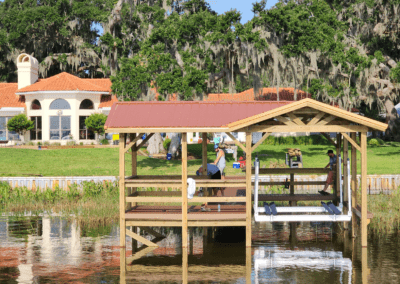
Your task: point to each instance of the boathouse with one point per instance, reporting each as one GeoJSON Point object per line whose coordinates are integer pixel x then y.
{"type": "Point", "coordinates": [133, 119]}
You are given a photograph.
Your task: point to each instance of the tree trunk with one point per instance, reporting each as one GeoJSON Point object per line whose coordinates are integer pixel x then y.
{"type": "Point", "coordinates": [175, 142]}
{"type": "Point", "coordinates": [393, 120]}
{"type": "Point", "coordinates": [155, 144]}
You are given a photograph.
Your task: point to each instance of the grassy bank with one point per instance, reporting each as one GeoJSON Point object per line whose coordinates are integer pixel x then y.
{"type": "Point", "coordinates": [98, 162]}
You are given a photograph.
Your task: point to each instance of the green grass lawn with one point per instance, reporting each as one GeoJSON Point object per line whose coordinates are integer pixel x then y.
{"type": "Point", "coordinates": [104, 161]}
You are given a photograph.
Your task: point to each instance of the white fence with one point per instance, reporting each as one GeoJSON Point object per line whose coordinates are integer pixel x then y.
{"type": "Point", "coordinates": [376, 184]}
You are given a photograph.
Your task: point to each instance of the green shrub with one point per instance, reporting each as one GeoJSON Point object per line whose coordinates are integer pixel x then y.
{"type": "Point", "coordinates": [381, 142]}
{"type": "Point", "coordinates": [56, 144]}
{"type": "Point", "coordinates": [30, 143]}
{"type": "Point", "coordinates": [104, 142]}
{"type": "Point", "coordinates": [39, 143]}
{"type": "Point", "coordinates": [46, 143]}
{"type": "Point", "coordinates": [81, 143]}
{"type": "Point", "coordinates": [71, 143]}
{"type": "Point", "coordinates": [166, 144]}
{"type": "Point", "coordinates": [373, 142]}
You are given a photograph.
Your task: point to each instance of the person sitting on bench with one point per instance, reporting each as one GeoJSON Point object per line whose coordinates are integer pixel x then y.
{"type": "Point", "coordinates": [329, 180]}
{"type": "Point", "coordinates": [214, 172]}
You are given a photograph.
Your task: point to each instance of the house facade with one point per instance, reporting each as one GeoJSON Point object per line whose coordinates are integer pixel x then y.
{"type": "Point", "coordinates": [57, 105]}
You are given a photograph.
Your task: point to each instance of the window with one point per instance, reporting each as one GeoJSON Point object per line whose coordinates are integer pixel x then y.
{"type": "Point", "coordinates": [86, 104]}
{"type": "Point", "coordinates": [5, 134]}
{"type": "Point", "coordinates": [36, 105]}
{"type": "Point", "coordinates": [60, 127]}
{"type": "Point", "coordinates": [36, 132]}
{"type": "Point", "coordinates": [60, 104]}
{"type": "Point", "coordinates": [84, 133]}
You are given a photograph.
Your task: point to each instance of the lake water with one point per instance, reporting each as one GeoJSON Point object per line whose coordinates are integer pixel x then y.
{"type": "Point", "coordinates": [54, 250]}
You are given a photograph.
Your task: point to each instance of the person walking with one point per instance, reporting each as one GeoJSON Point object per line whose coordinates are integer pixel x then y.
{"type": "Point", "coordinates": [220, 160]}
{"type": "Point", "coordinates": [329, 180]}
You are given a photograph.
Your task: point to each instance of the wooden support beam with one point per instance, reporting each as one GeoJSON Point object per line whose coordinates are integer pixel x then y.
{"type": "Point", "coordinates": [139, 254]}
{"type": "Point", "coordinates": [354, 185]}
{"type": "Point", "coordinates": [294, 118]}
{"type": "Point", "coordinates": [316, 118]}
{"type": "Point", "coordinates": [304, 128]}
{"type": "Point", "coordinates": [265, 136]}
{"type": "Point", "coordinates": [329, 138]}
{"type": "Point", "coordinates": [140, 239]}
{"type": "Point", "coordinates": [144, 141]}
{"type": "Point", "coordinates": [236, 141]}
{"type": "Point", "coordinates": [133, 142]}
{"type": "Point", "coordinates": [285, 121]}
{"type": "Point", "coordinates": [184, 192]}
{"type": "Point", "coordinates": [345, 179]}
{"type": "Point", "coordinates": [122, 189]}
{"type": "Point", "coordinates": [134, 166]}
{"type": "Point", "coordinates": [326, 120]}
{"type": "Point", "coordinates": [204, 153]}
{"type": "Point", "coordinates": [338, 167]}
{"type": "Point", "coordinates": [364, 207]}
{"type": "Point", "coordinates": [152, 232]}
{"type": "Point", "coordinates": [353, 142]}
{"type": "Point", "coordinates": [248, 188]}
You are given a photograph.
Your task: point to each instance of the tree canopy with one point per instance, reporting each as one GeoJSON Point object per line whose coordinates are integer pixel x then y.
{"type": "Point", "coordinates": [345, 52]}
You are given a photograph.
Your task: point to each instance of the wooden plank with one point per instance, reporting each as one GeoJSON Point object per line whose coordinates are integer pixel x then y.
{"type": "Point", "coordinates": [353, 142]}
{"type": "Point", "coordinates": [228, 223]}
{"type": "Point", "coordinates": [169, 183]}
{"type": "Point", "coordinates": [219, 199]}
{"type": "Point", "coordinates": [305, 128]}
{"type": "Point", "coordinates": [358, 211]}
{"type": "Point", "coordinates": [134, 164]}
{"type": "Point", "coordinates": [293, 171]}
{"type": "Point", "coordinates": [139, 254]}
{"type": "Point", "coordinates": [326, 120]}
{"type": "Point", "coordinates": [295, 197]}
{"type": "Point", "coordinates": [133, 142]}
{"type": "Point", "coordinates": [316, 118]}
{"type": "Point", "coordinates": [248, 188]}
{"type": "Point", "coordinates": [265, 136]}
{"type": "Point", "coordinates": [285, 121]}
{"type": "Point", "coordinates": [140, 239]}
{"type": "Point", "coordinates": [338, 167]}
{"type": "Point", "coordinates": [154, 223]}
{"type": "Point", "coordinates": [154, 199]}
{"type": "Point", "coordinates": [354, 181]}
{"type": "Point", "coordinates": [184, 192]}
{"type": "Point", "coordinates": [144, 141]}
{"type": "Point", "coordinates": [165, 177]}
{"type": "Point", "coordinates": [294, 118]}
{"type": "Point", "coordinates": [236, 141]}
{"type": "Point", "coordinates": [329, 138]}
{"type": "Point", "coordinates": [364, 208]}
{"type": "Point", "coordinates": [345, 179]}
{"type": "Point", "coordinates": [122, 189]}
{"type": "Point", "coordinates": [152, 232]}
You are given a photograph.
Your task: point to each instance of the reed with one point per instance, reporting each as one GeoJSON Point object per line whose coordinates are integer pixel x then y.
{"type": "Point", "coordinates": [386, 210]}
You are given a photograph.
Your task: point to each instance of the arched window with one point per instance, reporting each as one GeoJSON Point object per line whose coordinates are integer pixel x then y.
{"type": "Point", "coordinates": [60, 104]}
{"type": "Point", "coordinates": [36, 105]}
{"type": "Point", "coordinates": [86, 104]}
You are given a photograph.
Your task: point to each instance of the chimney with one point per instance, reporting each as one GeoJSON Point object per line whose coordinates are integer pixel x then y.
{"type": "Point", "coordinates": [27, 70]}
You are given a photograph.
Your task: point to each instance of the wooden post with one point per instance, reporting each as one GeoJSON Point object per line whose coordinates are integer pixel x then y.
{"type": "Point", "coordinates": [122, 261]}
{"type": "Point", "coordinates": [292, 203]}
{"type": "Point", "coordinates": [345, 178]}
{"type": "Point", "coordinates": [248, 188]}
{"type": "Point", "coordinates": [184, 265]}
{"type": "Point", "coordinates": [338, 166]}
{"type": "Point", "coordinates": [184, 192]}
{"type": "Point", "coordinates": [204, 158]}
{"type": "Point", "coordinates": [248, 265]}
{"type": "Point", "coordinates": [134, 165]}
{"type": "Point", "coordinates": [122, 226]}
{"type": "Point", "coordinates": [364, 224]}
{"type": "Point", "coordinates": [353, 182]}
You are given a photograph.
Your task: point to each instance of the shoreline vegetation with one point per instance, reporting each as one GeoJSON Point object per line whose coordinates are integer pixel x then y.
{"type": "Point", "coordinates": [98, 205]}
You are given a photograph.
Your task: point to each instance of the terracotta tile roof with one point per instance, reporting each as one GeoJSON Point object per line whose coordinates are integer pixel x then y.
{"type": "Point", "coordinates": [67, 82]}
{"type": "Point", "coordinates": [107, 100]}
{"type": "Point", "coordinates": [264, 94]}
{"type": "Point", "coordinates": [8, 98]}
{"type": "Point", "coordinates": [103, 83]}
{"type": "Point", "coordinates": [197, 114]}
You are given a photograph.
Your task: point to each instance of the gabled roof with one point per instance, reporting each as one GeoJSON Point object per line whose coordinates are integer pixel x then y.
{"type": "Point", "coordinates": [67, 82]}
{"type": "Point", "coordinates": [183, 114]}
{"type": "Point", "coordinates": [8, 98]}
{"type": "Point", "coordinates": [354, 118]}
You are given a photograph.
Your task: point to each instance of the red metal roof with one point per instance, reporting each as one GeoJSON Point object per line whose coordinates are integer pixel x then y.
{"type": "Point", "coordinates": [179, 114]}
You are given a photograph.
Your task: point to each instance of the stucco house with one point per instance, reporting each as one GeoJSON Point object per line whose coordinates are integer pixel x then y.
{"type": "Point", "coordinates": [58, 105]}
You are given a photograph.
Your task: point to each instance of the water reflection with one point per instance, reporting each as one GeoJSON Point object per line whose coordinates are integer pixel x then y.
{"type": "Point", "coordinates": [54, 250]}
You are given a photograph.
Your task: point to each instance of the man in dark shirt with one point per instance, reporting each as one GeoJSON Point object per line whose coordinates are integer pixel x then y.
{"type": "Point", "coordinates": [329, 180]}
